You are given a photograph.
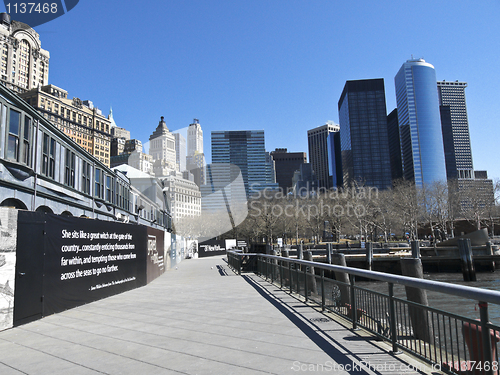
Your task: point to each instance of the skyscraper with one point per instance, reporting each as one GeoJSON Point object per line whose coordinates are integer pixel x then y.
{"type": "Point", "coordinates": [180, 151]}
{"type": "Point", "coordinates": [318, 152]}
{"type": "Point", "coordinates": [162, 145]}
{"type": "Point", "coordinates": [363, 134]}
{"type": "Point", "coordinates": [246, 149]}
{"type": "Point", "coordinates": [455, 127]}
{"type": "Point", "coordinates": [335, 159]}
{"type": "Point", "coordinates": [394, 145]}
{"type": "Point", "coordinates": [285, 164]}
{"type": "Point", "coordinates": [25, 65]}
{"type": "Point", "coordinates": [420, 123]}
{"type": "Point", "coordinates": [194, 138]}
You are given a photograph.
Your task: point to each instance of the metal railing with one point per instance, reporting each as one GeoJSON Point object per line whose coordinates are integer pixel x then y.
{"type": "Point", "coordinates": [454, 343]}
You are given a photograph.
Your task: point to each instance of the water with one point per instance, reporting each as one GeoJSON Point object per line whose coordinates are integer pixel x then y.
{"type": "Point", "coordinates": [449, 303]}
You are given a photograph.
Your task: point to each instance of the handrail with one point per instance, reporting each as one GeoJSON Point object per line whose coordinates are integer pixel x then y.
{"type": "Point", "coordinates": [478, 294]}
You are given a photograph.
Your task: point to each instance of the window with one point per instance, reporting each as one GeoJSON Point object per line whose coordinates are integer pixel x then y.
{"type": "Point", "coordinates": [27, 141]}
{"type": "Point", "coordinates": [48, 156]}
{"type": "Point", "coordinates": [69, 175]}
{"type": "Point", "coordinates": [98, 183]}
{"type": "Point", "coordinates": [86, 177]}
{"type": "Point", "coordinates": [109, 197]}
{"type": "Point", "coordinates": [13, 142]}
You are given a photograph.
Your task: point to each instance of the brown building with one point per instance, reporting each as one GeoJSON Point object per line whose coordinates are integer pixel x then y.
{"type": "Point", "coordinates": [80, 120]}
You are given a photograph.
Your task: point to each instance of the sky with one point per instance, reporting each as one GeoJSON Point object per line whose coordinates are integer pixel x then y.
{"type": "Point", "coordinates": [276, 65]}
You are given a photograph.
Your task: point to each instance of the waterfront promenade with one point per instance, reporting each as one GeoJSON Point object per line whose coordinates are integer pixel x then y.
{"type": "Point", "coordinates": [198, 319]}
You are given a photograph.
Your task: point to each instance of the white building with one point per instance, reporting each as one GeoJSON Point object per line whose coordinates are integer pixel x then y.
{"type": "Point", "coordinates": [25, 65]}
{"type": "Point", "coordinates": [194, 138]}
{"type": "Point", "coordinates": [185, 196]}
{"type": "Point", "coordinates": [162, 145]}
{"type": "Point", "coordinates": [180, 152]}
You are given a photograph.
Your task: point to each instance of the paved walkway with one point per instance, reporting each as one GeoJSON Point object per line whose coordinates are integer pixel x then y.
{"type": "Point", "coordinates": [199, 319]}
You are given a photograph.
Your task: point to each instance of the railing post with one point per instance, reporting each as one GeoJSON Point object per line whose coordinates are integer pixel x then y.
{"type": "Point", "coordinates": [290, 276]}
{"type": "Point", "coordinates": [486, 337]}
{"type": "Point", "coordinates": [305, 282]}
{"type": "Point", "coordinates": [297, 268]}
{"type": "Point", "coordinates": [239, 264]}
{"type": "Point", "coordinates": [280, 265]}
{"type": "Point", "coordinates": [392, 319]}
{"type": "Point", "coordinates": [322, 289]}
{"type": "Point", "coordinates": [352, 281]}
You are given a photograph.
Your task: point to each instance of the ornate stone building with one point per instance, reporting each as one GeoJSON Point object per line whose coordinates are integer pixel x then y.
{"type": "Point", "coordinates": [25, 65]}
{"type": "Point", "coordinates": [162, 145]}
{"type": "Point", "coordinates": [78, 119]}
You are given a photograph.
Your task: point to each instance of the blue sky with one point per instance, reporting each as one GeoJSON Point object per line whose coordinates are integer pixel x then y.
{"type": "Point", "coordinates": [276, 65]}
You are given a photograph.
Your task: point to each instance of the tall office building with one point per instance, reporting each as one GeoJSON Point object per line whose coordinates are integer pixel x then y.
{"type": "Point", "coordinates": [420, 123]}
{"type": "Point", "coordinates": [162, 145]}
{"type": "Point", "coordinates": [194, 138]}
{"type": "Point", "coordinates": [363, 134]}
{"type": "Point", "coordinates": [246, 149]}
{"type": "Point", "coordinates": [180, 152]}
{"type": "Point", "coordinates": [25, 65]}
{"type": "Point", "coordinates": [285, 165]}
{"type": "Point", "coordinates": [335, 159]}
{"type": "Point", "coordinates": [318, 152]}
{"type": "Point", "coordinates": [394, 145]}
{"type": "Point", "coordinates": [455, 127]}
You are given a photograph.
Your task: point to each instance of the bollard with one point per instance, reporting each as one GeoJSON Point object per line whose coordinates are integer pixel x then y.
{"type": "Point", "coordinates": [369, 255]}
{"type": "Point", "coordinates": [489, 251]}
{"type": "Point", "coordinates": [300, 254]}
{"type": "Point", "coordinates": [476, 341]}
{"type": "Point", "coordinates": [311, 278]}
{"type": "Point", "coordinates": [419, 318]}
{"type": "Point", "coordinates": [415, 249]}
{"type": "Point", "coordinates": [329, 253]}
{"type": "Point", "coordinates": [467, 263]}
{"type": "Point", "coordinates": [339, 260]}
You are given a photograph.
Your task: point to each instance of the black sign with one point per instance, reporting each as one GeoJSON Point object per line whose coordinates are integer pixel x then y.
{"type": "Point", "coordinates": [211, 248]}
{"type": "Point", "coordinates": [86, 260]}
{"type": "Point", "coordinates": [156, 254]}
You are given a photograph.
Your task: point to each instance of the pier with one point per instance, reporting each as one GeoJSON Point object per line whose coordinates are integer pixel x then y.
{"type": "Point", "coordinates": [201, 318]}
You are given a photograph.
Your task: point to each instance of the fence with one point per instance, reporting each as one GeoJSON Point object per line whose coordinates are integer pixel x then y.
{"type": "Point", "coordinates": [453, 342]}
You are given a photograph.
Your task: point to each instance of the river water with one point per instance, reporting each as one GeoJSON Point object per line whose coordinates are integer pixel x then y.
{"type": "Point", "coordinates": [453, 304]}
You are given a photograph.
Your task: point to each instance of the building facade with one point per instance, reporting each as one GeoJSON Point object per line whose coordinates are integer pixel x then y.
{"type": "Point", "coordinates": [285, 165]}
{"type": "Point", "coordinates": [455, 128]}
{"type": "Point", "coordinates": [245, 149]}
{"type": "Point", "coordinates": [185, 196]}
{"type": "Point", "coordinates": [335, 159]}
{"type": "Point", "coordinates": [25, 65]}
{"type": "Point", "coordinates": [420, 123]}
{"type": "Point", "coordinates": [162, 145]}
{"type": "Point", "coordinates": [80, 120]}
{"type": "Point", "coordinates": [180, 152]}
{"type": "Point", "coordinates": [318, 152]}
{"type": "Point", "coordinates": [363, 134]}
{"type": "Point", "coordinates": [394, 145]}
{"type": "Point", "coordinates": [194, 138]}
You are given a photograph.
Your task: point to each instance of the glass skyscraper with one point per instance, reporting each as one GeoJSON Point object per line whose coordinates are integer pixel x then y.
{"type": "Point", "coordinates": [363, 134]}
{"type": "Point", "coordinates": [455, 126]}
{"type": "Point", "coordinates": [246, 149]}
{"type": "Point", "coordinates": [420, 123]}
{"type": "Point", "coordinates": [318, 152]}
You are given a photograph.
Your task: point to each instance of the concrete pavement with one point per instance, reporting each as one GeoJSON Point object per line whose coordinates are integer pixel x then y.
{"type": "Point", "coordinates": [198, 319]}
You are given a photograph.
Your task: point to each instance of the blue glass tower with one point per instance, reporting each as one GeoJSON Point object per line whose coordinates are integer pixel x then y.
{"type": "Point", "coordinates": [420, 123]}
{"type": "Point", "coordinates": [246, 149]}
